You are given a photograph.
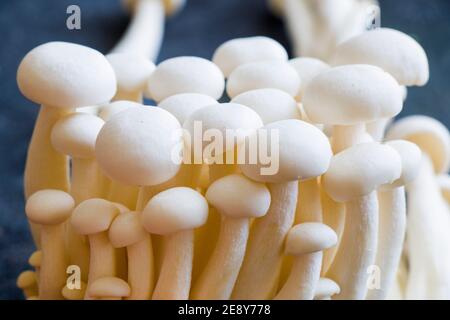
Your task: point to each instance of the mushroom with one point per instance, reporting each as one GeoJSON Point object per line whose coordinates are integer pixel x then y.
{"type": "Point", "coordinates": [305, 241]}
{"type": "Point", "coordinates": [74, 294]}
{"type": "Point", "coordinates": [109, 288]}
{"type": "Point", "coordinates": [60, 76]}
{"type": "Point", "coordinates": [392, 218]}
{"type": "Point", "coordinates": [109, 110]}
{"type": "Point", "coordinates": [263, 74]}
{"type": "Point", "coordinates": [127, 231]}
{"type": "Point", "coordinates": [50, 209]}
{"type": "Point", "coordinates": [164, 215]}
{"type": "Point", "coordinates": [307, 69]}
{"type": "Point", "coordinates": [27, 281]}
{"type": "Point", "coordinates": [238, 199]}
{"type": "Point", "coordinates": [326, 289]}
{"type": "Point", "coordinates": [444, 184]}
{"type": "Point", "coordinates": [236, 52]}
{"type": "Point", "coordinates": [352, 181]}
{"type": "Point", "coordinates": [93, 218]}
{"type": "Point", "coordinates": [302, 152]}
{"type": "Point", "coordinates": [185, 75]}
{"type": "Point", "coordinates": [35, 260]}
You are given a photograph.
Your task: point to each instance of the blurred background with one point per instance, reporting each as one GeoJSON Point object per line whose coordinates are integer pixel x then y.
{"type": "Point", "coordinates": [197, 30]}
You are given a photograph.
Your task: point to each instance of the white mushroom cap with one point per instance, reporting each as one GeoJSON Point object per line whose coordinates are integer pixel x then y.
{"type": "Point", "coordinates": [183, 104]}
{"type": "Point", "coordinates": [135, 147]}
{"type": "Point", "coordinates": [411, 157]}
{"type": "Point", "coordinates": [93, 216]}
{"type": "Point", "coordinates": [391, 50]}
{"type": "Point", "coordinates": [175, 210]}
{"type": "Point", "coordinates": [430, 135]}
{"type": "Point", "coordinates": [239, 197]}
{"type": "Point", "coordinates": [109, 110]}
{"type": "Point", "coordinates": [303, 152]}
{"type": "Point", "coordinates": [126, 229]}
{"type": "Point", "coordinates": [109, 287]}
{"type": "Point", "coordinates": [75, 135]}
{"type": "Point", "coordinates": [309, 237]}
{"type": "Point", "coordinates": [352, 94]}
{"type": "Point", "coordinates": [307, 69]}
{"type": "Point", "coordinates": [185, 75]}
{"type": "Point", "coordinates": [326, 288]}
{"type": "Point", "coordinates": [132, 71]}
{"type": "Point", "coordinates": [264, 74]}
{"type": "Point", "coordinates": [49, 207]}
{"type": "Point", "coordinates": [361, 169]}
{"type": "Point", "coordinates": [236, 52]}
{"type": "Point", "coordinates": [66, 75]}
{"type": "Point", "coordinates": [270, 104]}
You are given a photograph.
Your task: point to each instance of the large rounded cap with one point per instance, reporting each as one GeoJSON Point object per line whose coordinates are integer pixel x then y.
{"type": "Point", "coordinates": [186, 75]}
{"type": "Point", "coordinates": [298, 150]}
{"type": "Point", "coordinates": [264, 74]}
{"type": "Point", "coordinates": [109, 287]}
{"type": "Point", "coordinates": [307, 69]}
{"type": "Point", "coordinates": [326, 288]}
{"type": "Point", "coordinates": [309, 237]}
{"type": "Point", "coordinates": [93, 216]}
{"type": "Point", "coordinates": [430, 135]}
{"type": "Point", "coordinates": [238, 197]}
{"type": "Point", "coordinates": [361, 169]}
{"type": "Point", "coordinates": [126, 230]}
{"type": "Point", "coordinates": [132, 71]}
{"type": "Point", "coordinates": [352, 94]}
{"type": "Point", "coordinates": [111, 109]}
{"type": "Point", "coordinates": [49, 207]}
{"type": "Point", "coordinates": [67, 75]}
{"type": "Point", "coordinates": [75, 135]}
{"type": "Point", "coordinates": [183, 104]}
{"type": "Point", "coordinates": [175, 210]}
{"type": "Point", "coordinates": [411, 158]}
{"type": "Point", "coordinates": [391, 50]}
{"type": "Point", "coordinates": [236, 52]}
{"type": "Point", "coordinates": [135, 147]}
{"type": "Point", "coordinates": [270, 104]}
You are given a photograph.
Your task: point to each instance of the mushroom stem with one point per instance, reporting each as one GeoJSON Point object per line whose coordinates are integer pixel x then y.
{"type": "Point", "coordinates": [126, 195]}
{"type": "Point", "coordinates": [217, 280]}
{"type": "Point", "coordinates": [261, 268]}
{"type": "Point", "coordinates": [347, 136]}
{"type": "Point", "coordinates": [140, 265]}
{"type": "Point", "coordinates": [358, 247]}
{"type": "Point", "coordinates": [174, 281]}
{"type": "Point", "coordinates": [136, 96]}
{"type": "Point", "coordinates": [102, 261]}
{"type": "Point", "coordinates": [86, 180]}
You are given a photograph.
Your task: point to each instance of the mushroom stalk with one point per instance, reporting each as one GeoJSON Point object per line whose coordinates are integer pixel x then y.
{"type": "Point", "coordinates": [86, 180]}
{"type": "Point", "coordinates": [140, 267]}
{"type": "Point", "coordinates": [102, 260]}
{"type": "Point", "coordinates": [126, 195]}
{"type": "Point", "coordinates": [347, 136]}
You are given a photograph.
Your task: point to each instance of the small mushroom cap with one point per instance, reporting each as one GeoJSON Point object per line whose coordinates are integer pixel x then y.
{"type": "Point", "coordinates": [66, 75]}
{"type": "Point", "coordinates": [411, 158]}
{"type": "Point", "coordinates": [26, 279]}
{"type": "Point", "coordinates": [352, 94]}
{"type": "Point", "coordinates": [430, 135]}
{"type": "Point", "coordinates": [307, 69]}
{"type": "Point", "coordinates": [35, 259]}
{"type": "Point", "coordinates": [326, 288]}
{"type": "Point", "coordinates": [111, 109]}
{"type": "Point", "coordinates": [185, 75]}
{"type": "Point", "coordinates": [75, 135]}
{"type": "Point", "coordinates": [49, 207]}
{"type": "Point", "coordinates": [270, 104]}
{"type": "Point", "coordinates": [309, 237]}
{"type": "Point", "coordinates": [93, 216]}
{"type": "Point", "coordinates": [239, 197]}
{"type": "Point", "coordinates": [135, 146]}
{"type": "Point", "coordinates": [391, 50]}
{"type": "Point", "coordinates": [361, 169]}
{"type": "Point", "coordinates": [132, 71]}
{"type": "Point", "coordinates": [74, 294]}
{"type": "Point", "coordinates": [236, 52]}
{"type": "Point", "coordinates": [109, 287]}
{"type": "Point", "coordinates": [183, 104]}
{"type": "Point", "coordinates": [263, 74]}
{"type": "Point", "coordinates": [175, 210]}
{"type": "Point", "coordinates": [298, 151]}
{"type": "Point", "coordinates": [126, 230]}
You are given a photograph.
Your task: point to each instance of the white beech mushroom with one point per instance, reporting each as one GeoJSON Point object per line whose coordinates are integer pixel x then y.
{"type": "Point", "coordinates": [74, 293]}
{"type": "Point", "coordinates": [235, 52]}
{"type": "Point", "coordinates": [50, 209]}
{"type": "Point", "coordinates": [307, 69]}
{"type": "Point", "coordinates": [127, 231]}
{"type": "Point", "coordinates": [238, 199]}
{"type": "Point", "coordinates": [109, 110]}
{"type": "Point", "coordinates": [353, 178]}
{"type": "Point", "coordinates": [59, 76]}
{"type": "Point", "coordinates": [326, 289]}
{"type": "Point", "coordinates": [428, 213]}
{"type": "Point", "coordinates": [108, 288]}
{"type": "Point", "coordinates": [305, 241]}
{"type": "Point", "coordinates": [185, 75]}
{"type": "Point", "coordinates": [28, 283]}
{"type": "Point", "coordinates": [175, 213]}
{"type": "Point", "coordinates": [35, 260]}
{"type": "Point", "coordinates": [392, 218]}
{"type": "Point", "coordinates": [263, 74]}
{"type": "Point", "coordinates": [302, 151]}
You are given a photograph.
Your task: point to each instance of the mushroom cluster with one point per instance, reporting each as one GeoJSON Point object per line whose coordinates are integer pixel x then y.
{"type": "Point", "coordinates": [293, 189]}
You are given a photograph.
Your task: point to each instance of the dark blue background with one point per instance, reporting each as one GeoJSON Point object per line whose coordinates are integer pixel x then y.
{"type": "Point", "coordinates": [197, 30]}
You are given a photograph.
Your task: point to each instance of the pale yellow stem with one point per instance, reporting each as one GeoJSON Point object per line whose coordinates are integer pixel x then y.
{"type": "Point", "coordinates": [140, 269]}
